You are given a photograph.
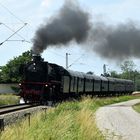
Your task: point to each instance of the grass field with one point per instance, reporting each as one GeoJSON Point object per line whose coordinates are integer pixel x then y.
{"type": "Point", "coordinates": [73, 120]}
{"type": "Point", "coordinates": [7, 99]}
{"type": "Point", "coordinates": [137, 107]}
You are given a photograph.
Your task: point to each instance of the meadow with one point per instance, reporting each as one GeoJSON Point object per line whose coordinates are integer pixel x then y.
{"type": "Point", "coordinates": [70, 120]}
{"type": "Point", "coordinates": [137, 107]}
{"type": "Point", "coordinates": [8, 99]}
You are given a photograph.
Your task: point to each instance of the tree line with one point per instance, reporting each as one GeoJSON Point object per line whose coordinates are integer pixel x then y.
{"type": "Point", "coordinates": [10, 72]}
{"type": "Point", "coordinates": [129, 71]}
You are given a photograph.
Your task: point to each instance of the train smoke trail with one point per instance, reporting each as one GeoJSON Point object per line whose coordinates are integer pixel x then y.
{"type": "Point", "coordinates": [71, 23]}
{"type": "Point", "coordinates": [118, 42]}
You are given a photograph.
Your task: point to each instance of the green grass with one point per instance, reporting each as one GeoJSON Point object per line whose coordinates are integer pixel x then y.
{"type": "Point", "coordinates": [73, 120]}
{"type": "Point", "coordinates": [137, 107]}
{"type": "Point", "coordinates": [7, 99]}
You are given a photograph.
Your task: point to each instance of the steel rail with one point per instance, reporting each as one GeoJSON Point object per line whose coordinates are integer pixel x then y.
{"type": "Point", "coordinates": [15, 108]}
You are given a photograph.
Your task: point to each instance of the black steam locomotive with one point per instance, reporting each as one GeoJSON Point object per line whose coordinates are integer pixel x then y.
{"type": "Point", "coordinates": [43, 81]}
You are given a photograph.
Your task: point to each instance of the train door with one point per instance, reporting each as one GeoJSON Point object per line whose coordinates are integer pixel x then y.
{"type": "Point", "coordinates": [66, 84]}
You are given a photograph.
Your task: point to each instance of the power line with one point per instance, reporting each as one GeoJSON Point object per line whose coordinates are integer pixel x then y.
{"type": "Point", "coordinates": [57, 54]}
{"type": "Point", "coordinates": [76, 60]}
{"type": "Point", "coordinates": [20, 41]}
{"type": "Point", "coordinates": [13, 34]}
{"type": "Point", "coordinates": [11, 13]}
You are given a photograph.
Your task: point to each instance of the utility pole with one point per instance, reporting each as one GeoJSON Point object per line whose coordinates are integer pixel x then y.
{"type": "Point", "coordinates": [67, 64]}
{"type": "Point", "coordinates": [104, 69]}
{"type": "Point", "coordinates": [67, 60]}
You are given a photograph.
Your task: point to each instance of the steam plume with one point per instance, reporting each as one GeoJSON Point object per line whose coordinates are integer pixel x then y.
{"type": "Point", "coordinates": [71, 23]}
{"type": "Point", "coordinates": [116, 42]}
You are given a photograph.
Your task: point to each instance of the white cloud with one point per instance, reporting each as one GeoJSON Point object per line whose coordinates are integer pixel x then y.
{"type": "Point", "coordinates": [120, 11]}
{"type": "Point", "coordinates": [46, 3]}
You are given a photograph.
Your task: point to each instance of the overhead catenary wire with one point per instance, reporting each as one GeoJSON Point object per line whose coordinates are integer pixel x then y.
{"type": "Point", "coordinates": [13, 34]}
{"type": "Point", "coordinates": [12, 13]}
{"type": "Point", "coordinates": [20, 41]}
{"type": "Point", "coordinates": [57, 54]}
{"type": "Point", "coordinates": [9, 11]}
{"type": "Point", "coordinates": [76, 60]}
{"type": "Point", "coordinates": [23, 39]}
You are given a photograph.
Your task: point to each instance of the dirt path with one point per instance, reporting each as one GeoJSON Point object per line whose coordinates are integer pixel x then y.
{"type": "Point", "coordinates": [119, 121]}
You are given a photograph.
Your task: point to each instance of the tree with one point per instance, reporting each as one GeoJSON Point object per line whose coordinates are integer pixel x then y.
{"type": "Point", "coordinates": [127, 68]}
{"type": "Point", "coordinates": [10, 72]}
{"type": "Point", "coordinates": [90, 72]}
{"type": "Point", "coordinates": [127, 65]}
{"type": "Point", "coordinates": [114, 74]}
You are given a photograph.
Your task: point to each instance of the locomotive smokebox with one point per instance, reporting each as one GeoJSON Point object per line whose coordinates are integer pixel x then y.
{"type": "Point", "coordinates": [37, 57]}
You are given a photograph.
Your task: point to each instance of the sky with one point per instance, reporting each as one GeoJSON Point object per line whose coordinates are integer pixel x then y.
{"type": "Point", "coordinates": [14, 14]}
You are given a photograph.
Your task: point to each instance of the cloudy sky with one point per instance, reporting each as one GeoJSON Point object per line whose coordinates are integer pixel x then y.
{"type": "Point", "coordinates": [14, 14]}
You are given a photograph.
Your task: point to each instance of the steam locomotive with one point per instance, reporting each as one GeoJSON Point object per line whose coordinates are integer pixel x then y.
{"type": "Point", "coordinates": [43, 81]}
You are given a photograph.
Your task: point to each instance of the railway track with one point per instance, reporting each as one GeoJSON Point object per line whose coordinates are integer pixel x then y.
{"type": "Point", "coordinates": [12, 108]}
{"type": "Point", "coordinates": [10, 114]}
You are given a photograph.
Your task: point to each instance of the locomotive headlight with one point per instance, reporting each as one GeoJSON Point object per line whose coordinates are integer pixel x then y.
{"type": "Point", "coordinates": [46, 85]}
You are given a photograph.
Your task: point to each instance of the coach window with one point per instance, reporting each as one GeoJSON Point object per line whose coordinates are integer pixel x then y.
{"type": "Point", "coordinates": [81, 81]}
{"type": "Point", "coordinates": [73, 83]}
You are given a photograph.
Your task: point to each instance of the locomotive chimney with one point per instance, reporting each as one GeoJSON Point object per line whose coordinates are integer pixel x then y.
{"type": "Point", "coordinates": [37, 57]}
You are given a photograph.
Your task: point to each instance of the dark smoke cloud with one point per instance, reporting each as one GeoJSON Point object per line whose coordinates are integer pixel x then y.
{"type": "Point", "coordinates": [115, 42]}
{"type": "Point", "coordinates": [71, 23]}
